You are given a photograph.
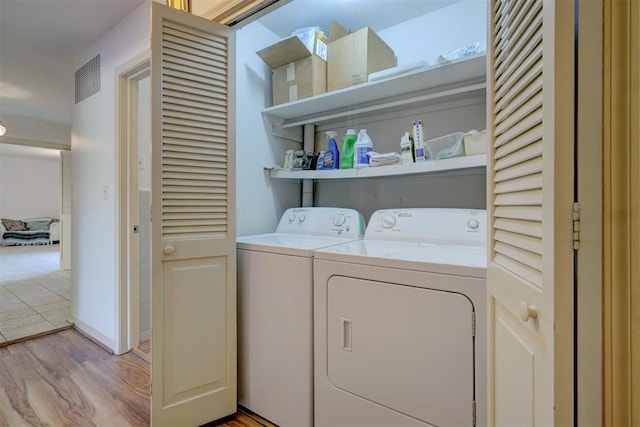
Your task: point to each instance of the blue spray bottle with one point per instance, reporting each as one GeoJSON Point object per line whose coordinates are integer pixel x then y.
{"type": "Point", "coordinates": [331, 155]}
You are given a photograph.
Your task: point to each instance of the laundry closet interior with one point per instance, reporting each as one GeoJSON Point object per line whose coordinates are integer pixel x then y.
{"type": "Point", "coordinates": [448, 96]}
{"type": "Point", "coordinates": [447, 99]}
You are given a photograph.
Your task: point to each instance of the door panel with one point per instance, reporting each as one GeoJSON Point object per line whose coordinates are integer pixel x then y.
{"type": "Point", "coordinates": [193, 229]}
{"type": "Point", "coordinates": [530, 183]}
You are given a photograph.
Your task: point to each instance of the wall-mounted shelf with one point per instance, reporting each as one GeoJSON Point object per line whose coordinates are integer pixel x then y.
{"type": "Point", "coordinates": [455, 164]}
{"type": "Point", "coordinates": [431, 85]}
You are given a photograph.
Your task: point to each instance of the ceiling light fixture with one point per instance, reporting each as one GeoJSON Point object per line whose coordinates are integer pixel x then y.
{"type": "Point", "coordinates": [3, 129]}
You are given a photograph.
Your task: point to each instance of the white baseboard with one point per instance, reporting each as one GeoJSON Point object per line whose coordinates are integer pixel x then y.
{"type": "Point", "coordinates": [94, 334]}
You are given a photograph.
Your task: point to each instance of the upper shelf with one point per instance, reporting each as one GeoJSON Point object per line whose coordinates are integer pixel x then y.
{"type": "Point", "coordinates": [427, 85]}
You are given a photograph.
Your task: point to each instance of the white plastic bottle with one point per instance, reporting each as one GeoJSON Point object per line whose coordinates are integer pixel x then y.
{"type": "Point", "coordinates": [361, 148]}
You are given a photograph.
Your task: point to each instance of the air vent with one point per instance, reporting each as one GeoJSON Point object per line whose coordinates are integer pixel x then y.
{"type": "Point", "coordinates": [88, 79]}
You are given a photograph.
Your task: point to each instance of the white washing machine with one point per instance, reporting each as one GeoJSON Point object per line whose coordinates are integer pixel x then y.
{"type": "Point", "coordinates": [399, 322]}
{"type": "Point", "coordinates": [275, 311]}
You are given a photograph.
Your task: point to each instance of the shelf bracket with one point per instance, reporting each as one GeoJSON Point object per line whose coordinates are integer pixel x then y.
{"type": "Point", "coordinates": [289, 133]}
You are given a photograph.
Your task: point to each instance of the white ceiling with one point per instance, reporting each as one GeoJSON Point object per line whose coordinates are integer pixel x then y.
{"type": "Point", "coordinates": [59, 28]}
{"type": "Point", "coordinates": [39, 41]}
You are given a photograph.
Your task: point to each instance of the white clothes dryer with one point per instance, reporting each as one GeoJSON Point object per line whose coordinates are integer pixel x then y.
{"type": "Point", "coordinates": [275, 311]}
{"type": "Point", "coordinates": [399, 322]}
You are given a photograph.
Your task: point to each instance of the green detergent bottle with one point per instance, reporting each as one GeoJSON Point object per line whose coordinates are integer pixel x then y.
{"type": "Point", "coordinates": [346, 156]}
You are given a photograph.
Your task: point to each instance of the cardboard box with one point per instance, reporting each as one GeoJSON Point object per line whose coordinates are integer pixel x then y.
{"type": "Point", "coordinates": [297, 73]}
{"type": "Point", "coordinates": [352, 57]}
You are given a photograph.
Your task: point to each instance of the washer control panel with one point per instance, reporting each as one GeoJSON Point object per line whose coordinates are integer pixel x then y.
{"type": "Point", "coordinates": [332, 222]}
{"type": "Point", "coordinates": [429, 225]}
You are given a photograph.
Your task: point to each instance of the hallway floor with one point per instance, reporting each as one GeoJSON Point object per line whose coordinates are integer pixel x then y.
{"type": "Point", "coordinates": [34, 293]}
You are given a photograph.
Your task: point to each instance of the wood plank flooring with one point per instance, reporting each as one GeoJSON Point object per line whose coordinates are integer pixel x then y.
{"type": "Point", "coordinates": [64, 379]}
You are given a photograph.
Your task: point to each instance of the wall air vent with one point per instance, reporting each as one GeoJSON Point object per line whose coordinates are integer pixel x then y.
{"type": "Point", "coordinates": [88, 79]}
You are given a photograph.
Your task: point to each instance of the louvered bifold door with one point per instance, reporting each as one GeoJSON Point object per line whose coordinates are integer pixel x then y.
{"type": "Point", "coordinates": [530, 194]}
{"type": "Point", "coordinates": [193, 219]}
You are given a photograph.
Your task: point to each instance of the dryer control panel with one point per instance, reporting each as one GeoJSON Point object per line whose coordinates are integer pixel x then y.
{"type": "Point", "coordinates": [464, 227]}
{"type": "Point", "coordinates": [319, 221]}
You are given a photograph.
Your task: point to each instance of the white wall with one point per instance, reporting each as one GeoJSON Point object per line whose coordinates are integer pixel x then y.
{"type": "Point", "coordinates": [144, 133]}
{"type": "Point", "coordinates": [260, 200]}
{"type": "Point", "coordinates": [144, 265]}
{"type": "Point", "coordinates": [438, 32]}
{"type": "Point", "coordinates": [94, 180]}
{"type": "Point", "coordinates": [29, 187]}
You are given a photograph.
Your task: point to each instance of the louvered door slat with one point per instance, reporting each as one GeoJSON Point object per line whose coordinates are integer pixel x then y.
{"type": "Point", "coordinates": [194, 76]}
{"type": "Point", "coordinates": [529, 167]}
{"type": "Point", "coordinates": [527, 228]}
{"type": "Point", "coordinates": [186, 91]}
{"type": "Point", "coordinates": [194, 84]}
{"type": "Point", "coordinates": [506, 23]}
{"type": "Point", "coordinates": [525, 213]}
{"type": "Point", "coordinates": [175, 177]}
{"type": "Point", "coordinates": [525, 43]}
{"type": "Point", "coordinates": [515, 72]}
{"type": "Point", "coordinates": [517, 105]}
{"type": "Point", "coordinates": [203, 42]}
{"type": "Point", "coordinates": [520, 198]}
{"type": "Point", "coordinates": [516, 97]}
{"type": "Point", "coordinates": [532, 103]}
{"type": "Point", "coordinates": [187, 131]}
{"type": "Point", "coordinates": [193, 144]}
{"type": "Point", "coordinates": [528, 182]}
{"type": "Point", "coordinates": [529, 152]}
{"type": "Point", "coordinates": [535, 118]}
{"type": "Point", "coordinates": [530, 136]}
{"type": "Point", "coordinates": [524, 257]}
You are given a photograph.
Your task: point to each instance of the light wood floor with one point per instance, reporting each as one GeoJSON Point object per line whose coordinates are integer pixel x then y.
{"type": "Point", "coordinates": [64, 379]}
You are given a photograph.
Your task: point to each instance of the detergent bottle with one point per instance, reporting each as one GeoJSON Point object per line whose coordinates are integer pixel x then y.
{"type": "Point", "coordinates": [346, 157]}
{"type": "Point", "coordinates": [361, 148]}
{"type": "Point", "coordinates": [331, 155]}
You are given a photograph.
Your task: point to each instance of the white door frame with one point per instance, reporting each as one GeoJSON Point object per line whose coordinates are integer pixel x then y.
{"type": "Point", "coordinates": [127, 310]}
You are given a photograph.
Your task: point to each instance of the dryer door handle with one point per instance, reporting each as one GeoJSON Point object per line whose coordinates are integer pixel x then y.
{"type": "Point", "coordinates": [345, 328]}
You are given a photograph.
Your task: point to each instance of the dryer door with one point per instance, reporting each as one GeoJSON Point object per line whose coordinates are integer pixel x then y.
{"type": "Point", "coordinates": [406, 348]}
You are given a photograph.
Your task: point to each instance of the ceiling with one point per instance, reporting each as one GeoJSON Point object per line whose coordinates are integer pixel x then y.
{"type": "Point", "coordinates": [59, 28]}
{"type": "Point", "coordinates": [39, 41]}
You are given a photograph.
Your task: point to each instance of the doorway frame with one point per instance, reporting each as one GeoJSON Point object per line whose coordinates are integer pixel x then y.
{"type": "Point", "coordinates": [127, 243]}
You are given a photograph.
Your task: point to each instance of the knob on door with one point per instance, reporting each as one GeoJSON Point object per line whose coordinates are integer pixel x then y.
{"type": "Point", "coordinates": [527, 311]}
{"type": "Point", "coordinates": [168, 250]}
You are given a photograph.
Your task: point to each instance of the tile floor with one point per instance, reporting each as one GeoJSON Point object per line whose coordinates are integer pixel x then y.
{"type": "Point", "coordinates": [34, 293]}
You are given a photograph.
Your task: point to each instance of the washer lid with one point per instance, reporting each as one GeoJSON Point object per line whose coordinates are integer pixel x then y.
{"type": "Point", "coordinates": [288, 244]}
{"type": "Point", "coordinates": [470, 261]}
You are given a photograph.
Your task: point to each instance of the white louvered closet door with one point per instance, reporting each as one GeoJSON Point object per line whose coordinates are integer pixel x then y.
{"type": "Point", "coordinates": [530, 195]}
{"type": "Point", "coordinates": [193, 342]}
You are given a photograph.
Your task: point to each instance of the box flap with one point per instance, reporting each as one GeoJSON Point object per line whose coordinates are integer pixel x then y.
{"type": "Point", "coordinates": [284, 52]}
{"type": "Point", "coordinates": [336, 32]}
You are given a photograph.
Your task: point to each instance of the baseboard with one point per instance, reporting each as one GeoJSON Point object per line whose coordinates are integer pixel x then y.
{"type": "Point", "coordinates": [94, 335]}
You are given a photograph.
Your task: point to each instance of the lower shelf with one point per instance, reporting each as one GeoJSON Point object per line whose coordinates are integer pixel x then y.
{"type": "Point", "coordinates": [426, 167]}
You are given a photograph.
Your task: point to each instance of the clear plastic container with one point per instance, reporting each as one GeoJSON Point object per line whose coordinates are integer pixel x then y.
{"type": "Point", "coordinates": [446, 146]}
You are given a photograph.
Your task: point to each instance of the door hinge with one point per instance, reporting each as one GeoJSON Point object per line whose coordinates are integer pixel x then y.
{"type": "Point", "coordinates": [576, 226]}
{"type": "Point", "coordinates": [473, 324]}
{"type": "Point", "coordinates": [473, 412]}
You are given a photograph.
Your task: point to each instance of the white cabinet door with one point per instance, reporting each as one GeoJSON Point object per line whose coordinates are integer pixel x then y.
{"type": "Point", "coordinates": [530, 186]}
{"type": "Point", "coordinates": [193, 230]}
